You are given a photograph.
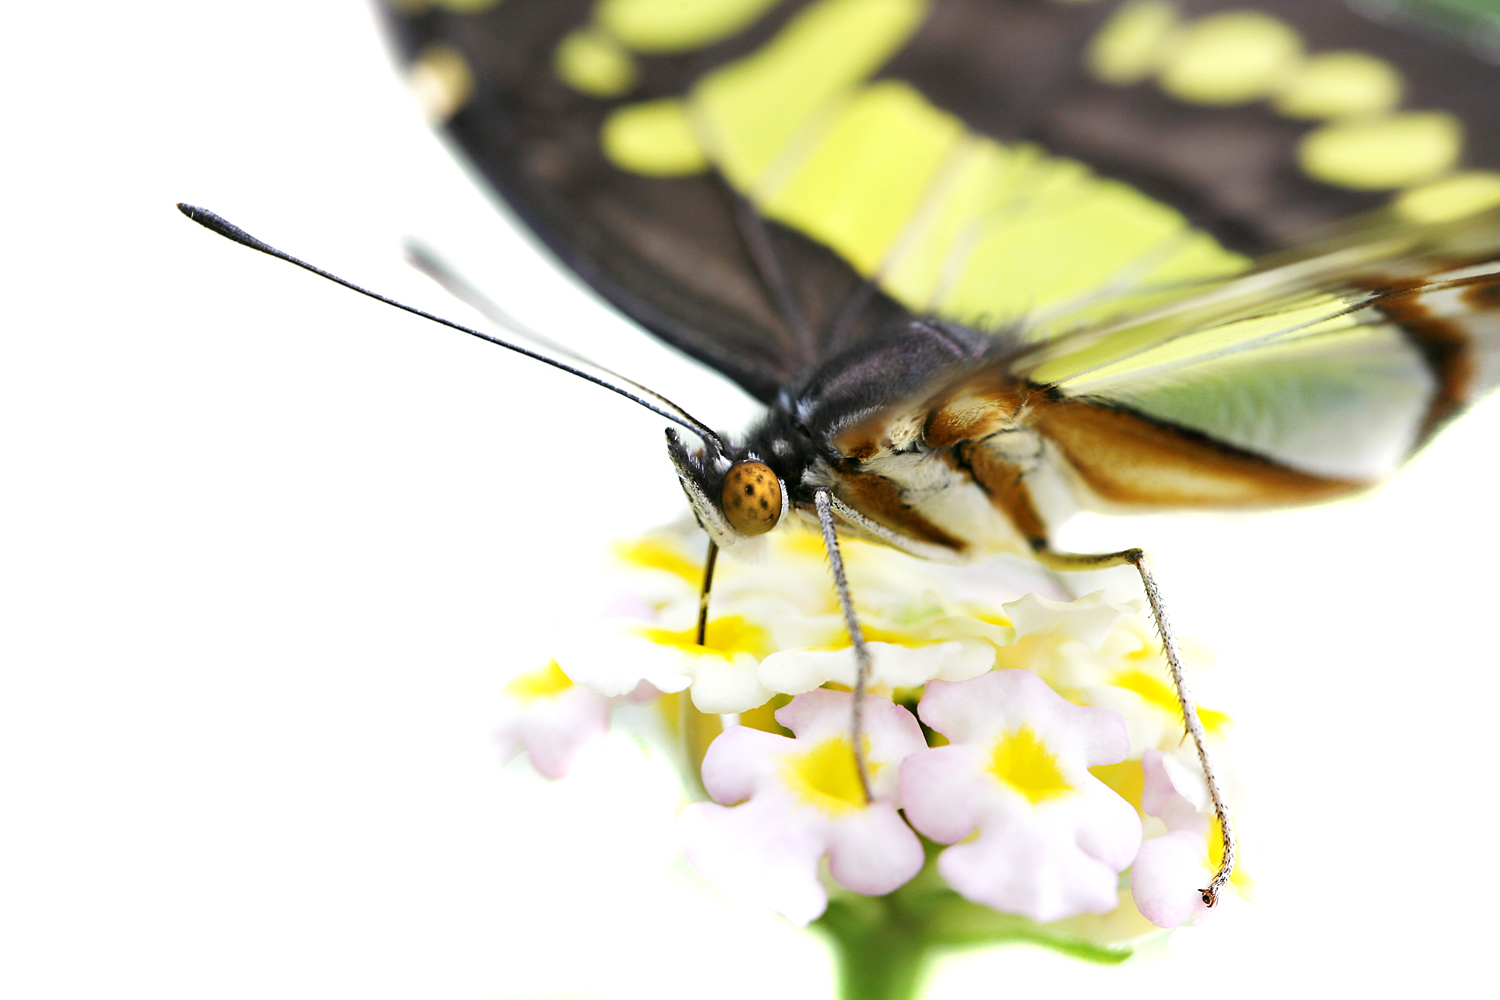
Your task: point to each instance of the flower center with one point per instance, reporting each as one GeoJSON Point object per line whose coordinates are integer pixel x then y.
{"type": "Point", "coordinates": [547, 682]}
{"type": "Point", "coordinates": [1022, 761]}
{"type": "Point", "coordinates": [826, 776]}
{"type": "Point", "coordinates": [1156, 692]}
{"type": "Point", "coordinates": [726, 636]}
{"type": "Point", "coordinates": [657, 553]}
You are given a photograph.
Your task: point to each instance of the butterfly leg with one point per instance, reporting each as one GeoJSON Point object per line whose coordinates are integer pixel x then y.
{"type": "Point", "coordinates": [824, 502]}
{"type": "Point", "coordinates": [1137, 558]}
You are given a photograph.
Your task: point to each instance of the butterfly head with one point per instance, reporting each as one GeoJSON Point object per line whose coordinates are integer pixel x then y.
{"type": "Point", "coordinates": [734, 496]}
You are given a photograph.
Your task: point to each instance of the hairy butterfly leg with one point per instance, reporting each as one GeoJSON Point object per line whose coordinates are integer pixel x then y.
{"type": "Point", "coordinates": [824, 502]}
{"type": "Point", "coordinates": [1074, 562]}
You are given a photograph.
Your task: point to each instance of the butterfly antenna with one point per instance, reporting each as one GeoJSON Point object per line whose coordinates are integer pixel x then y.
{"type": "Point", "coordinates": [229, 230]}
{"type": "Point", "coordinates": [430, 264]}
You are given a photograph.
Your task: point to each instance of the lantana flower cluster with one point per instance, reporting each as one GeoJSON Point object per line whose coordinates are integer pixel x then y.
{"type": "Point", "coordinates": [1022, 752]}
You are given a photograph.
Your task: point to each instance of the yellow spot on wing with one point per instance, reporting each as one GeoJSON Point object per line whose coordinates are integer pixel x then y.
{"type": "Point", "coordinates": [753, 108]}
{"type": "Point", "coordinates": [1391, 152]}
{"type": "Point", "coordinates": [1023, 762]}
{"type": "Point", "coordinates": [661, 27]}
{"type": "Point", "coordinates": [1230, 58]}
{"type": "Point", "coordinates": [1340, 84]}
{"type": "Point", "coordinates": [826, 776]}
{"type": "Point", "coordinates": [1132, 43]}
{"type": "Point", "coordinates": [1452, 197]}
{"type": "Point", "coordinates": [945, 220]}
{"type": "Point", "coordinates": [547, 682]}
{"type": "Point", "coordinates": [593, 63]}
{"type": "Point", "coordinates": [441, 81]}
{"type": "Point", "coordinates": [653, 138]}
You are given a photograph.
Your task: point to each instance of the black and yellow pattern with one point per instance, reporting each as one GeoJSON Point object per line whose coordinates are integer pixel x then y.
{"type": "Point", "coordinates": [768, 184]}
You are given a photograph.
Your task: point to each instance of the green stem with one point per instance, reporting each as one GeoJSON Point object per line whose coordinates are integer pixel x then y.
{"type": "Point", "coordinates": [883, 944]}
{"type": "Point", "coordinates": [880, 951]}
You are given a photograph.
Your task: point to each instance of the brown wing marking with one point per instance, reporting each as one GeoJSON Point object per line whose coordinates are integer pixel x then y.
{"type": "Point", "coordinates": [972, 411]}
{"type": "Point", "coordinates": [1126, 458]}
{"type": "Point", "coordinates": [880, 500]}
{"type": "Point", "coordinates": [1443, 342]}
{"type": "Point", "coordinates": [1005, 482]}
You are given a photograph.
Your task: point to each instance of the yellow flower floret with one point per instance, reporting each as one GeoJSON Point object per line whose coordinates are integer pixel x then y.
{"type": "Point", "coordinates": [1021, 760]}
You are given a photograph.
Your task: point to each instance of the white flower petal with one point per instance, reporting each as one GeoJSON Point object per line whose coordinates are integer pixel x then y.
{"type": "Point", "coordinates": [607, 659]}
{"type": "Point", "coordinates": [723, 685]}
{"type": "Point", "coordinates": [1089, 619]}
{"type": "Point", "coordinates": [796, 671]}
{"type": "Point", "coordinates": [1145, 724]}
{"type": "Point", "coordinates": [972, 658]}
{"type": "Point", "coordinates": [892, 666]}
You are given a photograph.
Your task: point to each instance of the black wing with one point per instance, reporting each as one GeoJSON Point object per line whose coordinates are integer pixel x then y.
{"type": "Point", "coordinates": [988, 161]}
{"type": "Point", "coordinates": [687, 257]}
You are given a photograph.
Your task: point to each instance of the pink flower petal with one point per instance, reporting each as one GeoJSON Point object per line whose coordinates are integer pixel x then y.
{"type": "Point", "coordinates": [1047, 850]}
{"type": "Point", "coordinates": [893, 732]}
{"type": "Point", "coordinates": [942, 792]}
{"type": "Point", "coordinates": [1168, 877]}
{"type": "Point", "coordinates": [1171, 870]}
{"type": "Point", "coordinates": [1017, 868]}
{"type": "Point", "coordinates": [1161, 798]}
{"type": "Point", "coordinates": [739, 761]}
{"type": "Point", "coordinates": [873, 851]}
{"type": "Point", "coordinates": [768, 848]}
{"type": "Point", "coordinates": [756, 853]}
{"type": "Point", "coordinates": [553, 729]}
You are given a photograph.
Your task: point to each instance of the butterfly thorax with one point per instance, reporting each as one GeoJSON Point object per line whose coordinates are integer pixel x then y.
{"type": "Point", "coordinates": [878, 427]}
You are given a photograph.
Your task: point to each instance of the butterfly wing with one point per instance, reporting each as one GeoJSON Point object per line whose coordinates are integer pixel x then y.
{"type": "Point", "coordinates": [1313, 376]}
{"type": "Point", "coordinates": [683, 253]}
{"type": "Point", "coordinates": [1299, 380]}
{"type": "Point", "coordinates": [766, 185]}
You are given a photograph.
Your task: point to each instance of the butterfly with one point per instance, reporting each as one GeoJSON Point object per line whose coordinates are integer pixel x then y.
{"type": "Point", "coordinates": [988, 262]}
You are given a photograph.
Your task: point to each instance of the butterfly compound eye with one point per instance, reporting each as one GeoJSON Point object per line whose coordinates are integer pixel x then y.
{"type": "Point", "coordinates": [751, 498]}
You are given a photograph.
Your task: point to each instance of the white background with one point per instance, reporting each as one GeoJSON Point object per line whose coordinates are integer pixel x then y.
{"type": "Point", "coordinates": [268, 550]}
